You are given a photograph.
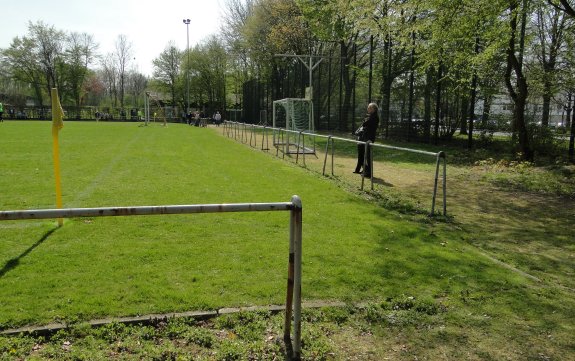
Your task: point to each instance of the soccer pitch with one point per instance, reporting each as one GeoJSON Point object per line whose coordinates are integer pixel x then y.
{"type": "Point", "coordinates": [124, 266]}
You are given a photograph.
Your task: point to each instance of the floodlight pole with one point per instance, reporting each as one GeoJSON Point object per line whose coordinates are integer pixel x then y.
{"type": "Point", "coordinates": [187, 22]}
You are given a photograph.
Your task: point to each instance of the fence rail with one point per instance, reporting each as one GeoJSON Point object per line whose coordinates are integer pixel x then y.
{"type": "Point", "coordinates": [243, 131]}
{"type": "Point", "coordinates": [293, 297]}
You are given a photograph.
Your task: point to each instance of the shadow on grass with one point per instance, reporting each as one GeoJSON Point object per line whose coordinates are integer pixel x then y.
{"type": "Point", "coordinates": [13, 263]}
{"type": "Point", "coordinates": [381, 181]}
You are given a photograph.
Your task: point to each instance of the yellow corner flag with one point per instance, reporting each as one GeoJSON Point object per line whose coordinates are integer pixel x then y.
{"type": "Point", "coordinates": [57, 113]}
{"type": "Point", "coordinates": [57, 124]}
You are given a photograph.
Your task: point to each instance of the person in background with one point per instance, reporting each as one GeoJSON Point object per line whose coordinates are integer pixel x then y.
{"type": "Point", "coordinates": [217, 118]}
{"type": "Point", "coordinates": [369, 125]}
{"type": "Point", "coordinates": [1, 112]}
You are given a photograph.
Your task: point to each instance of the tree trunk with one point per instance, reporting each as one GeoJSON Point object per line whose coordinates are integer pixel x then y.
{"type": "Point", "coordinates": [437, 104]}
{"type": "Point", "coordinates": [472, 111]}
{"type": "Point", "coordinates": [567, 122]}
{"type": "Point", "coordinates": [572, 140]}
{"type": "Point", "coordinates": [464, 111]}
{"type": "Point", "coordinates": [486, 111]}
{"type": "Point", "coordinates": [427, 106]}
{"type": "Point", "coordinates": [386, 86]}
{"type": "Point", "coordinates": [411, 87]}
{"type": "Point", "coordinates": [519, 90]}
{"type": "Point", "coordinates": [546, 107]}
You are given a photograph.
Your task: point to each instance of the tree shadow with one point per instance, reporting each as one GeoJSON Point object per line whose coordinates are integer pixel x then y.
{"type": "Point", "coordinates": [13, 263]}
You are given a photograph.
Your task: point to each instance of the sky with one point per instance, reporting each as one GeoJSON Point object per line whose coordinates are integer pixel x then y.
{"type": "Point", "coordinates": [148, 25]}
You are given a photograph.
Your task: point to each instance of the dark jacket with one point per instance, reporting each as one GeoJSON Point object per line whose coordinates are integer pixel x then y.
{"type": "Point", "coordinates": [370, 125]}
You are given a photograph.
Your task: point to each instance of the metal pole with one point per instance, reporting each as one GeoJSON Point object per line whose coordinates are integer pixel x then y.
{"type": "Point", "coordinates": [297, 211]}
{"type": "Point", "coordinates": [435, 185]}
{"type": "Point", "coordinates": [444, 183]}
{"type": "Point", "coordinates": [370, 148]}
{"type": "Point", "coordinates": [290, 280]}
{"type": "Point", "coordinates": [326, 151]}
{"type": "Point", "coordinates": [293, 297]}
{"type": "Point", "coordinates": [332, 154]}
{"type": "Point", "coordinates": [187, 22]}
{"type": "Point", "coordinates": [303, 148]}
{"type": "Point", "coordinates": [141, 210]}
{"type": "Point", "coordinates": [366, 149]}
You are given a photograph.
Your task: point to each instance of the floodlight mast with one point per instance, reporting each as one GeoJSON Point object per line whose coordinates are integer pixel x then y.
{"type": "Point", "coordinates": [187, 22]}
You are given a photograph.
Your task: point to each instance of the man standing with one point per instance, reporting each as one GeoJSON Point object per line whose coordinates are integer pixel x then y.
{"type": "Point", "coordinates": [1, 112]}
{"type": "Point", "coordinates": [217, 118]}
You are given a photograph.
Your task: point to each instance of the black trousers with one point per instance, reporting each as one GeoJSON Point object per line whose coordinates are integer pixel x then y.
{"type": "Point", "coordinates": [360, 159]}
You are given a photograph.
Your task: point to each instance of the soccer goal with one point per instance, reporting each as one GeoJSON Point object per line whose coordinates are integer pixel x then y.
{"type": "Point", "coordinates": [153, 109]}
{"type": "Point", "coordinates": [294, 115]}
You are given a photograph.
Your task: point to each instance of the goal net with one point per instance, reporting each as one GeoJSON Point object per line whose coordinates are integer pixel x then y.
{"type": "Point", "coordinates": [293, 115]}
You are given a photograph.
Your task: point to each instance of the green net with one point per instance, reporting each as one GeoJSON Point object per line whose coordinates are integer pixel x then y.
{"type": "Point", "coordinates": [293, 114]}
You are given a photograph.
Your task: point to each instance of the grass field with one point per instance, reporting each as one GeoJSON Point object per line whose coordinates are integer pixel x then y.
{"type": "Point", "coordinates": [492, 281]}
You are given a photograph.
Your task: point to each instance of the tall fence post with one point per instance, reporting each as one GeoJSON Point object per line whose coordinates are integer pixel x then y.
{"type": "Point", "coordinates": [325, 155]}
{"type": "Point", "coordinates": [440, 155]}
{"type": "Point", "coordinates": [297, 215]}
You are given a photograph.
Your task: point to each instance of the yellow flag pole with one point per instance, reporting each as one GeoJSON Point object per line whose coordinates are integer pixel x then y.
{"type": "Point", "coordinates": [57, 124]}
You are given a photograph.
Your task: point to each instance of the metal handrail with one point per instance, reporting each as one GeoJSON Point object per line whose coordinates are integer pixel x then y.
{"type": "Point", "coordinates": [330, 140]}
{"type": "Point", "coordinates": [293, 297]}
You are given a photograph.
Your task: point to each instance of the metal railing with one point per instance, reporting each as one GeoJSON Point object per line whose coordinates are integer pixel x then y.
{"type": "Point", "coordinates": [293, 297]}
{"type": "Point", "coordinates": [237, 129]}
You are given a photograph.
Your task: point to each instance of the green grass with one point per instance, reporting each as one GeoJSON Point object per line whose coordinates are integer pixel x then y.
{"type": "Point", "coordinates": [441, 293]}
{"type": "Point", "coordinates": [126, 266]}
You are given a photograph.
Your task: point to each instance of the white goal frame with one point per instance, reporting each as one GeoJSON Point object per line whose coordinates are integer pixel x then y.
{"type": "Point", "coordinates": [292, 124]}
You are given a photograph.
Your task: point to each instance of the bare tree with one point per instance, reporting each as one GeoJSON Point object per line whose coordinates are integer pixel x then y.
{"type": "Point", "coordinates": [80, 53]}
{"type": "Point", "coordinates": [122, 55]}
{"type": "Point", "coordinates": [137, 83]}
{"type": "Point", "coordinates": [110, 78]}
{"type": "Point", "coordinates": [49, 44]}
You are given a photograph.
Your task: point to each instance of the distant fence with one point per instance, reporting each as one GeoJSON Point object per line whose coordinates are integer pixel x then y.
{"type": "Point", "coordinates": [293, 297]}
{"type": "Point", "coordinates": [246, 133]}
{"type": "Point", "coordinates": [127, 114]}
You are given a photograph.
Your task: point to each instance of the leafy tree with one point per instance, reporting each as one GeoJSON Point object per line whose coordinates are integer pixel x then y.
{"type": "Point", "coordinates": [208, 66]}
{"type": "Point", "coordinates": [338, 23]}
{"type": "Point", "coordinates": [167, 69]}
{"type": "Point", "coordinates": [550, 26]}
{"type": "Point", "coordinates": [567, 6]}
{"type": "Point", "coordinates": [240, 66]}
{"type": "Point", "coordinates": [20, 63]}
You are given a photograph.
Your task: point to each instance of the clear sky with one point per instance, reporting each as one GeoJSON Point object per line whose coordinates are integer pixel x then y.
{"type": "Point", "coordinates": [148, 25]}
